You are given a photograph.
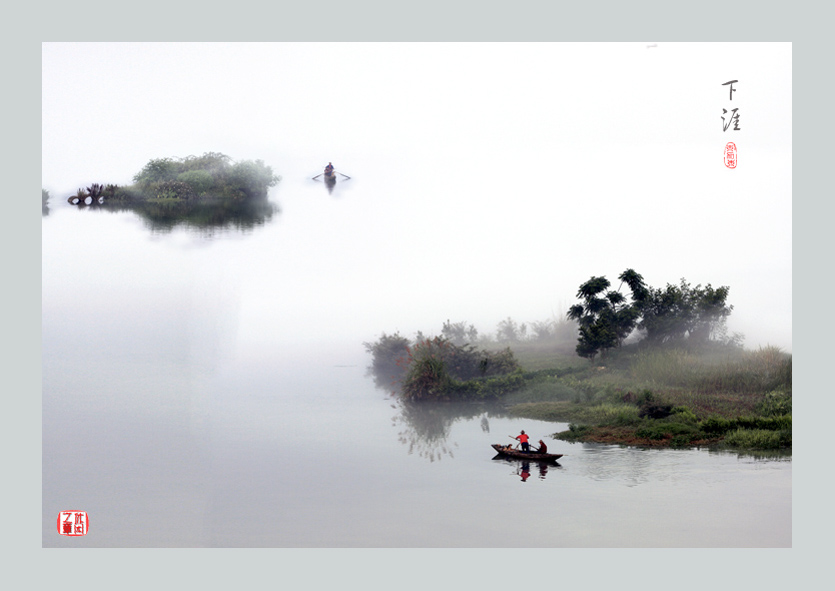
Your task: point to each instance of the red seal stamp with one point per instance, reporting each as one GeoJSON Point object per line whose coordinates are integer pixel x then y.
{"type": "Point", "coordinates": [730, 155]}
{"type": "Point", "coordinates": [73, 523]}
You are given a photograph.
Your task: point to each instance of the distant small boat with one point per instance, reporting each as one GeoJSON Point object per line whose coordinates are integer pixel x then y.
{"type": "Point", "coordinates": [510, 451]}
{"type": "Point", "coordinates": [329, 178]}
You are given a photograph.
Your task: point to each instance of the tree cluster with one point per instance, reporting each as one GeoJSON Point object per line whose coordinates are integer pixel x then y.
{"type": "Point", "coordinates": [211, 175]}
{"type": "Point", "coordinates": [434, 368]}
{"type": "Point", "coordinates": [674, 313]}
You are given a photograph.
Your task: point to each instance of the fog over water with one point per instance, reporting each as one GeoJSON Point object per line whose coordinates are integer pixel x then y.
{"type": "Point", "coordinates": [488, 180]}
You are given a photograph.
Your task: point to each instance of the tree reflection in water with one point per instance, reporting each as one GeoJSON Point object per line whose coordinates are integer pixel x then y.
{"type": "Point", "coordinates": [205, 215]}
{"type": "Point", "coordinates": [425, 426]}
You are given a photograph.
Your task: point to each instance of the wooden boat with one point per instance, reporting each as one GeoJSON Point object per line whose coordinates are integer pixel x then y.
{"type": "Point", "coordinates": [512, 452]}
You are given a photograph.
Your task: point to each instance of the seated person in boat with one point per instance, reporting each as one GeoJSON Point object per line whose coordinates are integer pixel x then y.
{"type": "Point", "coordinates": [329, 169]}
{"type": "Point", "coordinates": [523, 438]}
{"type": "Point", "coordinates": [543, 449]}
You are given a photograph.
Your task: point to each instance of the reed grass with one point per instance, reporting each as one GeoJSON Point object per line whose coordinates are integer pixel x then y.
{"type": "Point", "coordinates": [765, 369]}
{"type": "Point", "coordinates": [598, 414]}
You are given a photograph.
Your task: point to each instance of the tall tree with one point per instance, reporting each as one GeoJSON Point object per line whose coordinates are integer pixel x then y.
{"type": "Point", "coordinates": [605, 318]}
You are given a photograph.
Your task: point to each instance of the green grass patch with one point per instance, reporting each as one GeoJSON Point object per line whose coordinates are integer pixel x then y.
{"type": "Point", "coordinates": [558, 412]}
{"type": "Point", "coordinates": [575, 433]}
{"type": "Point", "coordinates": [543, 389]}
{"type": "Point", "coordinates": [667, 430]}
{"type": "Point", "coordinates": [599, 414]}
{"type": "Point", "coordinates": [758, 439]}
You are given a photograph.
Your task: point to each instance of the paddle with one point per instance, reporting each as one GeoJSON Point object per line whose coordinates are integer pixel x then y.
{"type": "Point", "coordinates": [321, 173]}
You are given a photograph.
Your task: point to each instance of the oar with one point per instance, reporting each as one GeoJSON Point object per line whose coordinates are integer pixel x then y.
{"type": "Point", "coordinates": [345, 175]}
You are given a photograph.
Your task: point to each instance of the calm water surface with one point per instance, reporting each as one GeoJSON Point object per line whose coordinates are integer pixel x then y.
{"type": "Point", "coordinates": [207, 388]}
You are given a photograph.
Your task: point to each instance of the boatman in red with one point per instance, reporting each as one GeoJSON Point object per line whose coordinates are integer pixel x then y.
{"type": "Point", "coordinates": [523, 438]}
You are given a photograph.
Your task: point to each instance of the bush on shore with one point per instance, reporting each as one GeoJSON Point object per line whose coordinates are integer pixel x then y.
{"type": "Point", "coordinates": [438, 369]}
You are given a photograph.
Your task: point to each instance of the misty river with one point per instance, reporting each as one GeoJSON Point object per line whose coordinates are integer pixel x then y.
{"type": "Point", "coordinates": [204, 385]}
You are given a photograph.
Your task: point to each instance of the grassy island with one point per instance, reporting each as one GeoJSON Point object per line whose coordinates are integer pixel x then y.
{"type": "Point", "coordinates": [678, 382]}
{"type": "Point", "coordinates": [212, 176]}
{"type": "Point", "coordinates": [203, 191]}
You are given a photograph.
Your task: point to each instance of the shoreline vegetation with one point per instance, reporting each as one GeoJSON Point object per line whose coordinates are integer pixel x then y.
{"type": "Point", "coordinates": [674, 391]}
{"type": "Point", "coordinates": [203, 191]}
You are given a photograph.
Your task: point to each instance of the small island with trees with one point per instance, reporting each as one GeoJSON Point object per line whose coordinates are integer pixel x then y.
{"type": "Point", "coordinates": [654, 368]}
{"type": "Point", "coordinates": [205, 191]}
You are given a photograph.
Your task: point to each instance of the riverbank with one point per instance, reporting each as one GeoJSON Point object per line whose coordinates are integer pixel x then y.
{"type": "Point", "coordinates": [716, 396]}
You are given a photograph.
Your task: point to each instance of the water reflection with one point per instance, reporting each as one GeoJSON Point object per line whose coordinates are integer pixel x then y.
{"type": "Point", "coordinates": [203, 215]}
{"type": "Point", "coordinates": [522, 468]}
{"type": "Point", "coordinates": [635, 466]}
{"type": "Point", "coordinates": [771, 455]}
{"type": "Point", "coordinates": [425, 427]}
{"type": "Point", "coordinates": [632, 466]}
{"type": "Point", "coordinates": [329, 177]}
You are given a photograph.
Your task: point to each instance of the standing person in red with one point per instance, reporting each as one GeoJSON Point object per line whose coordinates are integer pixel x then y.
{"type": "Point", "coordinates": [523, 438]}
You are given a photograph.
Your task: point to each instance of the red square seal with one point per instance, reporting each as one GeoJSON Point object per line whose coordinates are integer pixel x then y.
{"type": "Point", "coordinates": [73, 523]}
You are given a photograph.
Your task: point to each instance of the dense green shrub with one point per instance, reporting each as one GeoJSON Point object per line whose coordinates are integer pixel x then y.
{"type": "Point", "coordinates": [666, 429]}
{"type": "Point", "coordinates": [200, 181]}
{"type": "Point", "coordinates": [611, 414]}
{"type": "Point", "coordinates": [171, 190]}
{"type": "Point", "coordinates": [465, 362]}
{"type": "Point", "coordinates": [252, 179]}
{"type": "Point", "coordinates": [156, 171]}
{"type": "Point", "coordinates": [758, 439]}
{"type": "Point", "coordinates": [437, 369]}
{"type": "Point", "coordinates": [683, 414]}
{"type": "Point", "coordinates": [491, 387]}
{"type": "Point", "coordinates": [426, 379]}
{"type": "Point", "coordinates": [389, 357]}
{"type": "Point", "coordinates": [575, 432]}
{"type": "Point", "coordinates": [650, 406]}
{"type": "Point", "coordinates": [720, 426]}
{"type": "Point", "coordinates": [776, 404]}
{"type": "Point", "coordinates": [212, 174]}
